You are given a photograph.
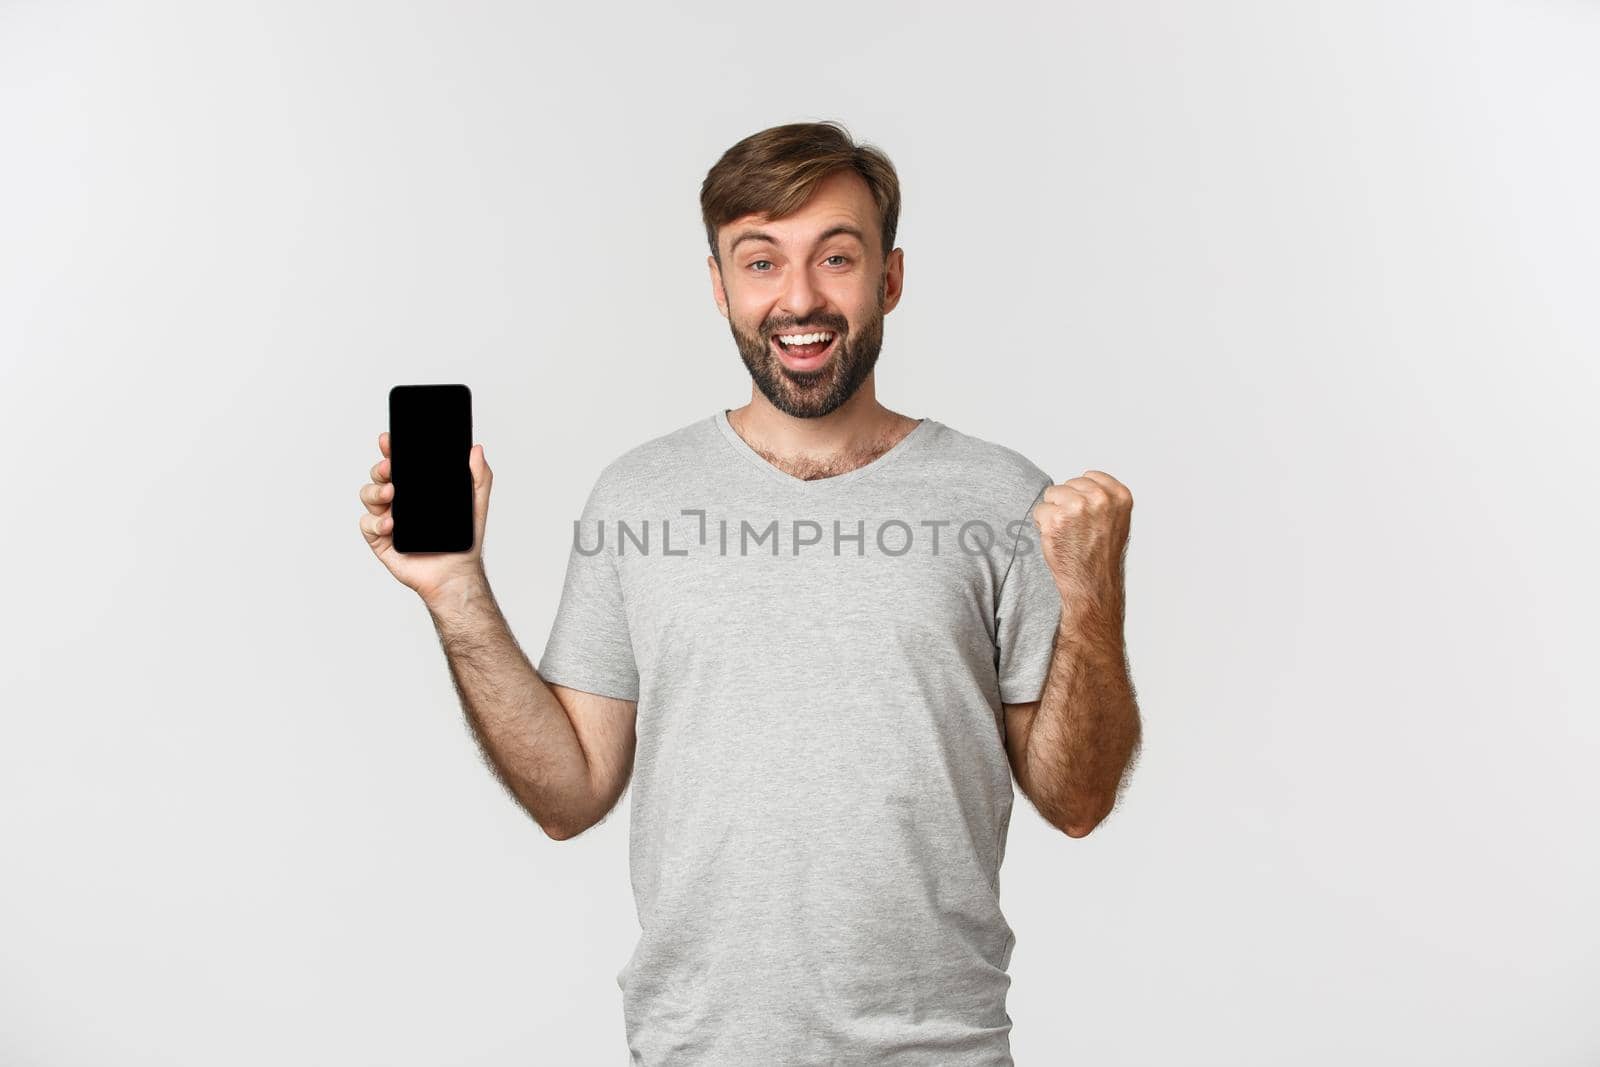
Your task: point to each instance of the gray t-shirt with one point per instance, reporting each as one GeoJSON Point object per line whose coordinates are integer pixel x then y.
{"type": "Point", "coordinates": [820, 789]}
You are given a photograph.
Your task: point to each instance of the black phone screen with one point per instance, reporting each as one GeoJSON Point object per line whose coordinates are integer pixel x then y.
{"type": "Point", "coordinates": [430, 445]}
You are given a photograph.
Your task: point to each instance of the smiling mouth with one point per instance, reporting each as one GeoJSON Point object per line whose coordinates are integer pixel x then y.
{"type": "Point", "coordinates": [804, 356]}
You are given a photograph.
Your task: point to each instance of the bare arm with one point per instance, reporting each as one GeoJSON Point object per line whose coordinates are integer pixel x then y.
{"type": "Point", "coordinates": [565, 755]}
{"type": "Point", "coordinates": [565, 763]}
{"type": "Point", "coordinates": [1071, 749]}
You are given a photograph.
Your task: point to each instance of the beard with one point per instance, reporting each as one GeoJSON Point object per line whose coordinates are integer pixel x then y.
{"type": "Point", "coordinates": [814, 393]}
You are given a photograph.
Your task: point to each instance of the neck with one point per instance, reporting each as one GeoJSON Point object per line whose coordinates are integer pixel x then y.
{"type": "Point", "coordinates": [852, 435]}
{"type": "Point", "coordinates": [856, 423]}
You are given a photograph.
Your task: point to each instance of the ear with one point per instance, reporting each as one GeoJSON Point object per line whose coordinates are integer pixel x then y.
{"type": "Point", "coordinates": [894, 277]}
{"type": "Point", "coordinates": [718, 293]}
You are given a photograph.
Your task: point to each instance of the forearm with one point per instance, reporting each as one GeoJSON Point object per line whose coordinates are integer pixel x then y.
{"type": "Point", "coordinates": [525, 735]}
{"type": "Point", "coordinates": [1086, 729]}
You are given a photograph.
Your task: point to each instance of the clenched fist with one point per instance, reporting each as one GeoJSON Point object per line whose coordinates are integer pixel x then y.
{"type": "Point", "coordinates": [1083, 533]}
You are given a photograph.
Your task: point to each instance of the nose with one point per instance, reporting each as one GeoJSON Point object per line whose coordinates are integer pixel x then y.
{"type": "Point", "coordinates": [801, 298]}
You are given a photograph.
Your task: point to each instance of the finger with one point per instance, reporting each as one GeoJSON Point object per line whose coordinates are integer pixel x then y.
{"type": "Point", "coordinates": [376, 527]}
{"type": "Point", "coordinates": [380, 471]}
{"type": "Point", "coordinates": [1045, 512]}
{"type": "Point", "coordinates": [482, 480]}
{"type": "Point", "coordinates": [383, 443]}
{"type": "Point", "coordinates": [1080, 493]}
{"type": "Point", "coordinates": [1064, 494]}
{"type": "Point", "coordinates": [481, 474]}
{"type": "Point", "coordinates": [1094, 494]}
{"type": "Point", "coordinates": [1116, 489]}
{"type": "Point", "coordinates": [377, 497]}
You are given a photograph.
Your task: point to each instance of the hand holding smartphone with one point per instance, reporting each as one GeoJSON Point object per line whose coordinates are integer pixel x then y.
{"type": "Point", "coordinates": [428, 498]}
{"type": "Point", "coordinates": [430, 438]}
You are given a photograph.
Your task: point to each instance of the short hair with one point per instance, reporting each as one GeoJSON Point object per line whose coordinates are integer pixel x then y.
{"type": "Point", "coordinates": [774, 172]}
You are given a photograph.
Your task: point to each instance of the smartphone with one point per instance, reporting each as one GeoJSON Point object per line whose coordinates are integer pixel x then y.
{"type": "Point", "coordinates": [430, 446]}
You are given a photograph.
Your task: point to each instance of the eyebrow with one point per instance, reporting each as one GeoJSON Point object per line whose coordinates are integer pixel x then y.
{"type": "Point", "coordinates": [832, 231]}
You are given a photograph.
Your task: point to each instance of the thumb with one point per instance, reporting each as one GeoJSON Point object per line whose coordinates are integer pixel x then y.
{"type": "Point", "coordinates": [481, 474]}
{"type": "Point", "coordinates": [482, 477]}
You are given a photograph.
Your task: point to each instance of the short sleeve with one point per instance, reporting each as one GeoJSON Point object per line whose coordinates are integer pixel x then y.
{"type": "Point", "coordinates": [1028, 612]}
{"type": "Point", "coordinates": [589, 646]}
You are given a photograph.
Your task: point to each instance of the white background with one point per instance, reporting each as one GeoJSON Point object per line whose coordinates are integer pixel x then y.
{"type": "Point", "coordinates": [1316, 280]}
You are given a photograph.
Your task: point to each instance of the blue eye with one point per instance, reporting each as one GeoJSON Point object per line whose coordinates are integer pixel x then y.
{"type": "Point", "coordinates": [766, 261]}
{"type": "Point", "coordinates": [838, 257]}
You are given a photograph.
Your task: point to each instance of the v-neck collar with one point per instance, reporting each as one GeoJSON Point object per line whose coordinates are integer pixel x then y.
{"type": "Point", "coordinates": [898, 449]}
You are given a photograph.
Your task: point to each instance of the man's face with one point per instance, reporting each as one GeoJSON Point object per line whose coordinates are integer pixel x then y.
{"type": "Point", "coordinates": [820, 270]}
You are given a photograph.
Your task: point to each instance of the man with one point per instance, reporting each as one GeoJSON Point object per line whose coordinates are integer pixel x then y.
{"type": "Point", "coordinates": [819, 637]}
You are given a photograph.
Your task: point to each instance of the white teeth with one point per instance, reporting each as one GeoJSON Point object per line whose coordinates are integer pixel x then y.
{"type": "Point", "coordinates": [805, 338]}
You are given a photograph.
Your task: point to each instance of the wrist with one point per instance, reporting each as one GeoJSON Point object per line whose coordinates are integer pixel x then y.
{"type": "Point", "coordinates": [455, 593]}
{"type": "Point", "coordinates": [1086, 623]}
